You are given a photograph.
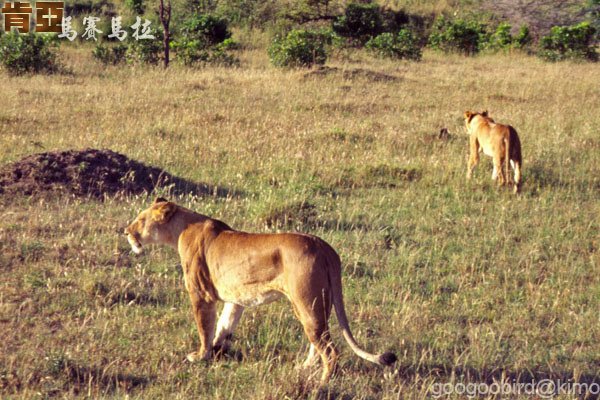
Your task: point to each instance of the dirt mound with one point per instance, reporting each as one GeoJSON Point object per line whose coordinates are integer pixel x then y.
{"type": "Point", "coordinates": [351, 74]}
{"type": "Point", "coordinates": [292, 215]}
{"type": "Point", "coordinates": [369, 75]}
{"type": "Point", "coordinates": [91, 172]}
{"type": "Point", "coordinates": [320, 72]}
{"type": "Point", "coordinates": [376, 176]}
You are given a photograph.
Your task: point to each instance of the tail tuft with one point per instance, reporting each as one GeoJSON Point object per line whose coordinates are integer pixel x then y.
{"type": "Point", "coordinates": [387, 359]}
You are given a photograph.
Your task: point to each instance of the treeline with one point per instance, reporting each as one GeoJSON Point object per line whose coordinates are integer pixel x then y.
{"type": "Point", "coordinates": [397, 34]}
{"type": "Point", "coordinates": [304, 33]}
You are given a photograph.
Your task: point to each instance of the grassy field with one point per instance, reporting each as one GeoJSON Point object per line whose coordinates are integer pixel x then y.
{"type": "Point", "coordinates": [465, 282]}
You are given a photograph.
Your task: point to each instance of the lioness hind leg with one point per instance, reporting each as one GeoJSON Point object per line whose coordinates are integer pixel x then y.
{"type": "Point", "coordinates": [230, 316]}
{"type": "Point", "coordinates": [473, 156]}
{"type": "Point", "coordinates": [517, 169]}
{"type": "Point", "coordinates": [498, 168]}
{"type": "Point", "coordinates": [320, 338]}
{"type": "Point", "coordinates": [313, 311]}
{"type": "Point", "coordinates": [312, 357]}
{"type": "Point", "coordinates": [494, 173]}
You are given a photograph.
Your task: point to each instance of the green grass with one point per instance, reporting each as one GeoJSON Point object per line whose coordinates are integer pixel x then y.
{"type": "Point", "coordinates": [465, 282]}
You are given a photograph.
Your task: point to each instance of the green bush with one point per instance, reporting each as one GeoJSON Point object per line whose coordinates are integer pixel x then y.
{"type": "Point", "coordinates": [205, 39]}
{"type": "Point", "coordinates": [569, 42]}
{"type": "Point", "coordinates": [110, 55]}
{"type": "Point", "coordinates": [30, 53]}
{"type": "Point", "coordinates": [228, 44]}
{"type": "Point", "coordinates": [523, 38]}
{"type": "Point", "coordinates": [136, 6]}
{"type": "Point", "coordinates": [190, 53]}
{"type": "Point", "coordinates": [220, 55]}
{"type": "Point", "coordinates": [458, 35]}
{"type": "Point", "coordinates": [360, 22]}
{"type": "Point", "coordinates": [394, 20]}
{"type": "Point", "coordinates": [300, 48]}
{"type": "Point", "coordinates": [502, 39]}
{"type": "Point", "coordinates": [145, 51]}
{"type": "Point", "coordinates": [207, 29]}
{"type": "Point", "coordinates": [404, 44]}
{"type": "Point", "coordinates": [250, 13]}
{"type": "Point", "coordinates": [131, 51]}
{"type": "Point", "coordinates": [100, 8]}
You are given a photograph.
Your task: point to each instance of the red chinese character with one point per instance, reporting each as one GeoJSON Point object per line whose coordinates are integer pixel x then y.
{"type": "Point", "coordinates": [16, 15]}
{"type": "Point", "coordinates": [49, 16]}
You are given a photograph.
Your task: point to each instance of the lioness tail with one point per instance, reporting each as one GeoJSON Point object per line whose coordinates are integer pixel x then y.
{"type": "Point", "coordinates": [335, 280]}
{"type": "Point", "coordinates": [507, 161]}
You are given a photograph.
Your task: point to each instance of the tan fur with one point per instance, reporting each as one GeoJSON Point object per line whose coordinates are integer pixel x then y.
{"type": "Point", "coordinates": [501, 142]}
{"type": "Point", "coordinates": [245, 269]}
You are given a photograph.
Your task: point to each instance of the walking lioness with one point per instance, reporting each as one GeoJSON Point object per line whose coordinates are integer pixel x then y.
{"type": "Point", "coordinates": [244, 270]}
{"type": "Point", "coordinates": [498, 141]}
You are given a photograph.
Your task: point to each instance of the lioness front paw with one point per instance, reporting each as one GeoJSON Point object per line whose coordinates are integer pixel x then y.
{"type": "Point", "coordinates": [197, 356]}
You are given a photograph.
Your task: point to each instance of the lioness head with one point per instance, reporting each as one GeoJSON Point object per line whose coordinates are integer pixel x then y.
{"type": "Point", "coordinates": [148, 227]}
{"type": "Point", "coordinates": [470, 115]}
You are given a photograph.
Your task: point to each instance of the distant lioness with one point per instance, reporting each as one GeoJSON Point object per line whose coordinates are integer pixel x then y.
{"type": "Point", "coordinates": [245, 270]}
{"type": "Point", "coordinates": [501, 142]}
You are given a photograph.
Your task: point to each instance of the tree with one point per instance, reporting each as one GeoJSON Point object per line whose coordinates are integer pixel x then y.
{"type": "Point", "coordinates": [164, 12]}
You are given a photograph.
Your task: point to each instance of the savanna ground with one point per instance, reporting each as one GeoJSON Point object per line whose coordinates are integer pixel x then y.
{"type": "Point", "coordinates": [465, 282]}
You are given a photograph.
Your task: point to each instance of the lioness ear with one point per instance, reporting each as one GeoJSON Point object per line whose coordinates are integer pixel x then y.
{"type": "Point", "coordinates": [160, 200]}
{"type": "Point", "coordinates": [484, 113]}
{"type": "Point", "coordinates": [164, 212]}
{"type": "Point", "coordinates": [468, 114]}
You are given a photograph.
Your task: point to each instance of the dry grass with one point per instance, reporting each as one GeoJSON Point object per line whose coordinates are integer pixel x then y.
{"type": "Point", "coordinates": [466, 282]}
{"type": "Point", "coordinates": [425, 7]}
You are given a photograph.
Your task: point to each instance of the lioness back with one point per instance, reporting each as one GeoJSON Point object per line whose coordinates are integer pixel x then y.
{"type": "Point", "coordinates": [499, 141]}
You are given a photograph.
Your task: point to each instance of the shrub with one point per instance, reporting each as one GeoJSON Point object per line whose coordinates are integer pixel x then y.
{"type": "Point", "coordinates": [30, 53]}
{"type": "Point", "coordinates": [207, 29]}
{"type": "Point", "coordinates": [360, 22]}
{"type": "Point", "coordinates": [401, 45]}
{"type": "Point", "coordinates": [146, 51]}
{"type": "Point", "coordinates": [457, 35]}
{"type": "Point", "coordinates": [110, 54]}
{"type": "Point", "coordinates": [394, 20]}
{"type": "Point", "coordinates": [523, 38]}
{"type": "Point", "coordinates": [190, 53]}
{"type": "Point", "coordinates": [300, 48]}
{"type": "Point", "coordinates": [136, 6]}
{"type": "Point", "coordinates": [205, 39]}
{"type": "Point", "coordinates": [250, 13]}
{"type": "Point", "coordinates": [569, 42]}
{"type": "Point", "coordinates": [75, 8]}
{"type": "Point", "coordinates": [502, 39]}
{"type": "Point", "coordinates": [143, 51]}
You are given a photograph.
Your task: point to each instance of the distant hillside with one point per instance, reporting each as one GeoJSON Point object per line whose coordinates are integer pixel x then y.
{"type": "Point", "coordinates": [539, 15]}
